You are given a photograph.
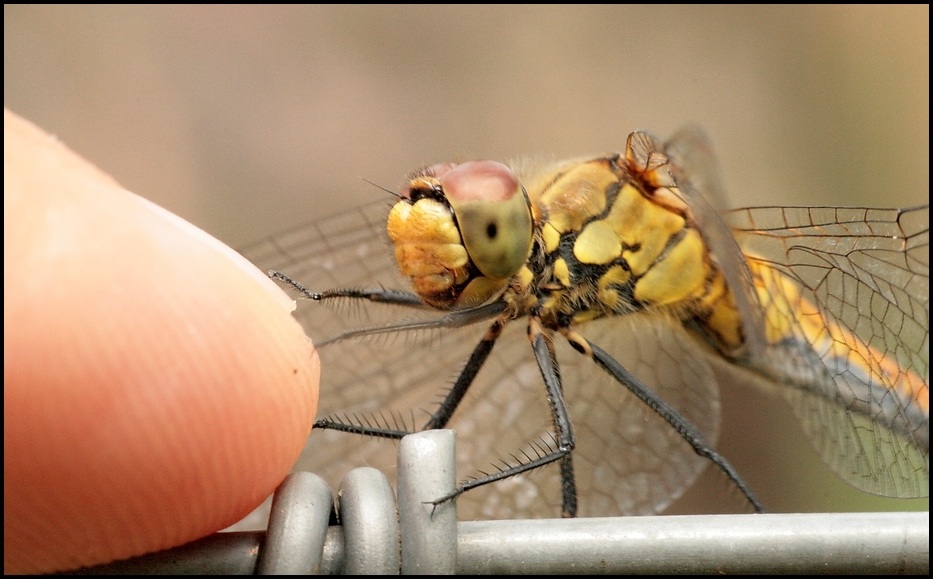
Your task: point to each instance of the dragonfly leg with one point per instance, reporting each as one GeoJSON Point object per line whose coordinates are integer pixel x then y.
{"type": "Point", "coordinates": [684, 428]}
{"type": "Point", "coordinates": [564, 441]}
{"type": "Point", "coordinates": [568, 487]}
{"type": "Point", "coordinates": [380, 427]}
{"type": "Point", "coordinates": [379, 295]}
{"type": "Point", "coordinates": [452, 400]}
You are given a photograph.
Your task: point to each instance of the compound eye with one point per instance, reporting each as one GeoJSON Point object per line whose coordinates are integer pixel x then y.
{"type": "Point", "coordinates": [493, 213]}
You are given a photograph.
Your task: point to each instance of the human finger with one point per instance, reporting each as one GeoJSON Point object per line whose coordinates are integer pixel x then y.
{"type": "Point", "coordinates": [156, 387]}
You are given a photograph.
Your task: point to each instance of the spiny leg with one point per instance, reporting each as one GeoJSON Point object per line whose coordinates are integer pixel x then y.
{"type": "Point", "coordinates": [442, 415]}
{"type": "Point", "coordinates": [561, 421]}
{"type": "Point", "coordinates": [380, 295]}
{"type": "Point", "coordinates": [568, 487]}
{"type": "Point", "coordinates": [371, 427]}
{"type": "Point", "coordinates": [684, 428]}
{"type": "Point", "coordinates": [453, 319]}
{"type": "Point", "coordinates": [565, 441]}
{"type": "Point", "coordinates": [452, 400]}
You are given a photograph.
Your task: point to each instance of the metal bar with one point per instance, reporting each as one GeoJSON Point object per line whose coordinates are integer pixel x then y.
{"type": "Point", "coordinates": [370, 523]}
{"type": "Point", "coordinates": [295, 539]}
{"type": "Point", "coordinates": [733, 544]}
{"type": "Point", "coordinates": [883, 543]}
{"type": "Point", "coordinates": [426, 472]}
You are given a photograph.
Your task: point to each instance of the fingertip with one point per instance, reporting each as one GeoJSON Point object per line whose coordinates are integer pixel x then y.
{"type": "Point", "coordinates": [156, 387]}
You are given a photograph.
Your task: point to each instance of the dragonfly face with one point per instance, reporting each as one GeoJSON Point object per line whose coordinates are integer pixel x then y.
{"type": "Point", "coordinates": [461, 232]}
{"type": "Point", "coordinates": [623, 258]}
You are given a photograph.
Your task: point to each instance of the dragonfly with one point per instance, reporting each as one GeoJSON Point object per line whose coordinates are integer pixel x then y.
{"type": "Point", "coordinates": [573, 322]}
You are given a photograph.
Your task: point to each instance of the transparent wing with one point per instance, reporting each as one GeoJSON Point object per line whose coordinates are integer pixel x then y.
{"type": "Point", "coordinates": [866, 273]}
{"type": "Point", "coordinates": [856, 348]}
{"type": "Point", "coordinates": [694, 168]}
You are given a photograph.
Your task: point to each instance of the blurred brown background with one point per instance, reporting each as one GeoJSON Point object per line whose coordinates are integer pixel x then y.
{"type": "Point", "coordinates": [250, 120]}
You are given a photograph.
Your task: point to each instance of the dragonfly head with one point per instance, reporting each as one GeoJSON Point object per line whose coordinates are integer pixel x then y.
{"type": "Point", "coordinates": [461, 231]}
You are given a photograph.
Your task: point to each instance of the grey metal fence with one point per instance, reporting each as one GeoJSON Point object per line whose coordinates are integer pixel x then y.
{"type": "Point", "coordinates": [378, 535]}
